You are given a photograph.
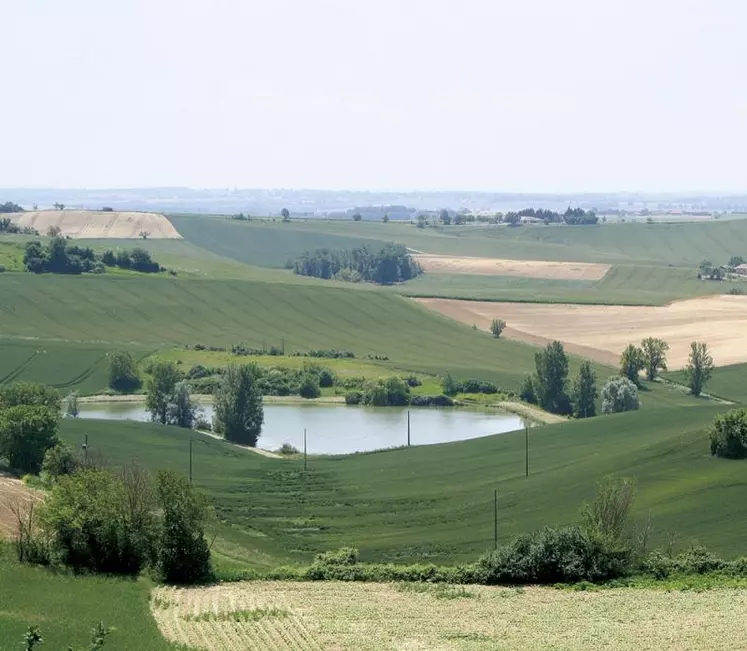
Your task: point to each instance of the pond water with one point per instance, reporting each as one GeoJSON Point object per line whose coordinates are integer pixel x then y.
{"type": "Point", "coordinates": [333, 429]}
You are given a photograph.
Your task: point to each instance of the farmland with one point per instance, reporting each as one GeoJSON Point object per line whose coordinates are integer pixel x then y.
{"type": "Point", "coordinates": [302, 616]}
{"type": "Point", "coordinates": [86, 224]}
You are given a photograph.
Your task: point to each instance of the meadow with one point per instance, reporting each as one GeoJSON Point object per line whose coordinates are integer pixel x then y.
{"type": "Point", "coordinates": [435, 503]}
{"type": "Point", "coordinates": [67, 607]}
{"type": "Point", "coordinates": [727, 382]}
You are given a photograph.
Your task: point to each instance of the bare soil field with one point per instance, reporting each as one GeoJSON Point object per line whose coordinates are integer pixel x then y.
{"type": "Point", "coordinates": [418, 617]}
{"type": "Point", "coordinates": [97, 224]}
{"type": "Point", "coordinates": [450, 264]}
{"type": "Point", "coordinates": [601, 332]}
{"type": "Point", "coordinates": [13, 493]}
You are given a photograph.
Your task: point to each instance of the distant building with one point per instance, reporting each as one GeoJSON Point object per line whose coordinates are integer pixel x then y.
{"type": "Point", "coordinates": [525, 219]}
{"type": "Point", "coordinates": [741, 269]}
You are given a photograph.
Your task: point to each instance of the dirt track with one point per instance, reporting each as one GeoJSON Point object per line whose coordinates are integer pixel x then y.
{"type": "Point", "coordinates": [601, 332]}
{"type": "Point", "coordinates": [501, 267]}
{"type": "Point", "coordinates": [90, 224]}
{"type": "Point", "coordinates": [12, 492]}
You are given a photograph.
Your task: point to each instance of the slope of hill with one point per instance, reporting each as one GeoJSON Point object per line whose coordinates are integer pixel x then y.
{"type": "Point", "coordinates": [85, 224]}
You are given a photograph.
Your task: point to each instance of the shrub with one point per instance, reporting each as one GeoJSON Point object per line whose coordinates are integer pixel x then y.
{"type": "Point", "coordinates": [59, 460]}
{"type": "Point", "coordinates": [2, 268]}
{"type": "Point", "coordinates": [326, 378]}
{"type": "Point", "coordinates": [728, 435]}
{"type": "Point", "coordinates": [553, 555]}
{"type": "Point", "coordinates": [526, 393]}
{"type": "Point", "coordinates": [412, 381]}
{"type": "Point", "coordinates": [29, 393]}
{"type": "Point", "coordinates": [431, 401]}
{"type": "Point", "coordinates": [123, 375]}
{"type": "Point", "coordinates": [26, 433]}
{"type": "Point", "coordinates": [309, 387]}
{"type": "Point", "coordinates": [449, 385]}
{"type": "Point", "coordinates": [203, 424]}
{"type": "Point", "coordinates": [287, 448]}
{"type": "Point", "coordinates": [476, 386]}
{"type": "Point", "coordinates": [608, 514]}
{"type": "Point", "coordinates": [618, 395]}
{"type": "Point", "coordinates": [353, 398]}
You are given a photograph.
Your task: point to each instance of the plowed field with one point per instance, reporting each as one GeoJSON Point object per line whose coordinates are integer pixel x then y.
{"type": "Point", "coordinates": [451, 264]}
{"type": "Point", "coordinates": [90, 224]}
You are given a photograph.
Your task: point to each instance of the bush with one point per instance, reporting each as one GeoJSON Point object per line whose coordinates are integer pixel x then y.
{"type": "Point", "coordinates": [203, 424]}
{"type": "Point", "coordinates": [326, 378]}
{"type": "Point", "coordinates": [476, 386]}
{"type": "Point", "coordinates": [309, 387]}
{"type": "Point", "coordinates": [553, 555]}
{"type": "Point", "coordinates": [26, 433]}
{"type": "Point", "coordinates": [59, 460]}
{"type": "Point", "coordinates": [618, 395]}
{"type": "Point", "coordinates": [497, 326]}
{"type": "Point", "coordinates": [412, 381]}
{"type": "Point", "coordinates": [353, 398]}
{"type": "Point", "coordinates": [392, 392]}
{"type": "Point", "coordinates": [431, 401]}
{"type": "Point", "coordinates": [123, 375]}
{"type": "Point", "coordinates": [449, 385]}
{"type": "Point", "coordinates": [728, 435]}
{"type": "Point", "coordinates": [30, 394]}
{"type": "Point", "coordinates": [288, 449]}
{"type": "Point", "coordinates": [526, 393]}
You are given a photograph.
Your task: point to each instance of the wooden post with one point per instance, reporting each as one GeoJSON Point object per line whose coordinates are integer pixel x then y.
{"type": "Point", "coordinates": [190, 459]}
{"type": "Point", "coordinates": [495, 518]}
{"type": "Point", "coordinates": [304, 449]}
{"type": "Point", "coordinates": [526, 451]}
{"type": "Point", "coordinates": [408, 428]}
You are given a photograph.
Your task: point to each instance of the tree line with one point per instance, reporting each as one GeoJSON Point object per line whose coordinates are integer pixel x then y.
{"type": "Point", "coordinates": [59, 256]}
{"type": "Point", "coordinates": [391, 264]}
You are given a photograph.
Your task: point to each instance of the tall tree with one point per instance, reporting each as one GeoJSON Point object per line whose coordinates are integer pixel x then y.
{"type": "Point", "coordinates": [444, 216]}
{"type": "Point", "coordinates": [632, 363]}
{"type": "Point", "coordinates": [619, 394]}
{"type": "Point", "coordinates": [285, 214]}
{"type": "Point", "coordinates": [699, 367]}
{"type": "Point", "coordinates": [551, 379]}
{"type": "Point", "coordinates": [585, 392]}
{"type": "Point", "coordinates": [654, 352]}
{"type": "Point", "coordinates": [238, 406]}
{"type": "Point", "coordinates": [123, 375]}
{"type": "Point", "coordinates": [160, 391]}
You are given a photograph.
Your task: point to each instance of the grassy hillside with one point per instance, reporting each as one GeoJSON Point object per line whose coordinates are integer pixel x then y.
{"type": "Point", "coordinates": [728, 382]}
{"type": "Point", "coordinates": [622, 285]}
{"type": "Point", "coordinates": [272, 243]}
{"type": "Point", "coordinates": [66, 608]}
{"type": "Point", "coordinates": [162, 311]}
{"type": "Point", "coordinates": [435, 502]}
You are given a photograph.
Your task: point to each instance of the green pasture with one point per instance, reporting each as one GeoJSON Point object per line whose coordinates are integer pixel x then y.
{"type": "Point", "coordinates": [434, 503]}
{"type": "Point", "coordinates": [727, 382]}
{"type": "Point", "coordinates": [66, 608]}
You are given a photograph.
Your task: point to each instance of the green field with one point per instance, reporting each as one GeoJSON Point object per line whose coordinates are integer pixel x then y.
{"type": "Point", "coordinates": [434, 503]}
{"type": "Point", "coordinates": [66, 608]}
{"type": "Point", "coordinates": [270, 244]}
{"type": "Point", "coordinates": [117, 311]}
{"type": "Point", "coordinates": [728, 382]}
{"type": "Point", "coordinates": [622, 285]}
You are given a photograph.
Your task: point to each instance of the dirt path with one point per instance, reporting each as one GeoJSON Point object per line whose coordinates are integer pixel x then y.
{"type": "Point", "coordinates": [601, 332]}
{"type": "Point", "coordinates": [13, 493]}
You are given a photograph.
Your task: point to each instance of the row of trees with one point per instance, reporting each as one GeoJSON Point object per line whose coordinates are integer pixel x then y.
{"type": "Point", "coordinates": [9, 206]}
{"type": "Point", "coordinates": [391, 264]}
{"type": "Point", "coordinates": [572, 216]}
{"type": "Point", "coordinates": [60, 257]}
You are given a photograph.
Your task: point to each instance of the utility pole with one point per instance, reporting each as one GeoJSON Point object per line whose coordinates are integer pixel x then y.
{"type": "Point", "coordinates": [408, 428]}
{"type": "Point", "coordinates": [304, 449]}
{"type": "Point", "coordinates": [495, 518]}
{"type": "Point", "coordinates": [190, 459]}
{"type": "Point", "coordinates": [526, 451]}
{"type": "Point", "coordinates": [85, 450]}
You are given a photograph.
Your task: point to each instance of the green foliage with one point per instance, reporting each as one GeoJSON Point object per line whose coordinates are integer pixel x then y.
{"type": "Point", "coordinates": [59, 460]}
{"type": "Point", "coordinates": [632, 362]}
{"type": "Point", "coordinates": [137, 260]}
{"type": "Point", "coordinates": [551, 379]}
{"type": "Point", "coordinates": [59, 257]}
{"type": "Point", "coordinates": [392, 392]}
{"type": "Point", "coordinates": [618, 395]}
{"type": "Point", "coordinates": [699, 367]}
{"type": "Point", "coordinates": [26, 433]}
{"type": "Point", "coordinates": [183, 552]}
{"type": "Point", "coordinates": [735, 261]}
{"type": "Point", "coordinates": [123, 375]}
{"type": "Point", "coordinates": [181, 410]}
{"type": "Point", "coordinates": [29, 394]}
{"type": "Point", "coordinates": [708, 271]}
{"type": "Point", "coordinates": [9, 206]}
{"type": "Point", "coordinates": [473, 385]}
{"type": "Point", "coordinates": [728, 435]}
{"type": "Point", "coordinates": [238, 406]}
{"type": "Point", "coordinates": [309, 387]}
{"type": "Point", "coordinates": [608, 514]}
{"type": "Point", "coordinates": [353, 397]}
{"type": "Point", "coordinates": [497, 326]}
{"type": "Point", "coordinates": [654, 353]}
{"type": "Point", "coordinates": [326, 378]}
{"type": "Point", "coordinates": [449, 385]}
{"type": "Point", "coordinates": [585, 392]}
{"type": "Point", "coordinates": [160, 390]}
{"type": "Point", "coordinates": [71, 405]}
{"type": "Point", "coordinates": [553, 555]}
{"type": "Point", "coordinates": [526, 392]}
{"type": "Point", "coordinates": [391, 264]}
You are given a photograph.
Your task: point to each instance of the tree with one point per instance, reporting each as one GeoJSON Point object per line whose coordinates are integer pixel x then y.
{"type": "Point", "coordinates": [654, 354]}
{"type": "Point", "coordinates": [160, 390]}
{"type": "Point", "coordinates": [385, 218]}
{"type": "Point", "coordinates": [285, 214]}
{"type": "Point", "coordinates": [309, 387]}
{"type": "Point", "coordinates": [608, 514]}
{"type": "Point", "coordinates": [728, 435]}
{"type": "Point", "coordinates": [699, 367]}
{"type": "Point", "coordinates": [123, 375]}
{"type": "Point", "coordinates": [71, 405]}
{"type": "Point", "coordinates": [422, 221]}
{"type": "Point", "coordinates": [238, 406]}
{"type": "Point", "coordinates": [59, 460]}
{"type": "Point", "coordinates": [181, 410]}
{"type": "Point", "coordinates": [585, 392]}
{"type": "Point", "coordinates": [444, 216]}
{"type": "Point", "coordinates": [735, 261]}
{"type": "Point", "coordinates": [618, 395]}
{"type": "Point", "coordinates": [551, 379]}
{"type": "Point", "coordinates": [526, 392]}
{"type": "Point", "coordinates": [632, 363]}
{"type": "Point", "coordinates": [357, 217]}
{"type": "Point", "coordinates": [497, 326]}
{"type": "Point", "coordinates": [449, 385]}
{"type": "Point", "coordinates": [512, 219]}
{"type": "Point", "coordinates": [183, 552]}
{"type": "Point", "coordinates": [29, 393]}
{"type": "Point", "coordinates": [26, 433]}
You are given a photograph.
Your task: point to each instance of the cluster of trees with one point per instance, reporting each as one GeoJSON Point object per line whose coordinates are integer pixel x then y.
{"type": "Point", "coordinates": [60, 257]}
{"type": "Point", "coordinates": [572, 216]}
{"type": "Point", "coordinates": [392, 264]}
{"type": "Point", "coordinates": [137, 259]}
{"type": "Point", "coordinates": [709, 271]}
{"type": "Point", "coordinates": [728, 435]}
{"type": "Point", "coordinates": [8, 226]}
{"type": "Point", "coordinates": [9, 206]}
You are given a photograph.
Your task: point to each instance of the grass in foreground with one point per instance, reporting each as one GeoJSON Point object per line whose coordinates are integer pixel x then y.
{"type": "Point", "coordinates": [435, 503]}
{"type": "Point", "coordinates": [66, 608]}
{"type": "Point", "coordinates": [381, 617]}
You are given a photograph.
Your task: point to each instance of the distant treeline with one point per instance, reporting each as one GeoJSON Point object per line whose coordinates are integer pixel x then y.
{"type": "Point", "coordinates": [61, 257]}
{"type": "Point", "coordinates": [392, 264]}
{"type": "Point", "coordinates": [572, 216]}
{"type": "Point", "coordinates": [9, 206]}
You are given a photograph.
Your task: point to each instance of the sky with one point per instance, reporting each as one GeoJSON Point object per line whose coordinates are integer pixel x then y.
{"type": "Point", "coordinates": [497, 95]}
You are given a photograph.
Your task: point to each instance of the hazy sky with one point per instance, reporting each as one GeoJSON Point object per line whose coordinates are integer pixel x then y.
{"type": "Point", "coordinates": [530, 95]}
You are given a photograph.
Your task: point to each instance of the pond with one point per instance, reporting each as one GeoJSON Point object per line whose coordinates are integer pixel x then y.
{"type": "Point", "coordinates": [333, 429]}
